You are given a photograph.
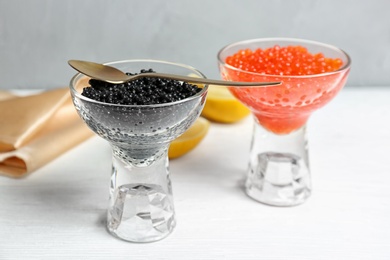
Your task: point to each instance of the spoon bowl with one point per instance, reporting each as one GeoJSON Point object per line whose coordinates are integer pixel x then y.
{"type": "Point", "coordinates": [113, 75]}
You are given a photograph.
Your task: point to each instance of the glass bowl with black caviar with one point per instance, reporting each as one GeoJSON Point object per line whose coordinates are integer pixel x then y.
{"type": "Point", "coordinates": [139, 119]}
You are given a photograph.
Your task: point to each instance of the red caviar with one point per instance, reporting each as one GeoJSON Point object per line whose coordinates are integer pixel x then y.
{"type": "Point", "coordinates": [285, 108]}
{"type": "Point", "coordinates": [289, 61]}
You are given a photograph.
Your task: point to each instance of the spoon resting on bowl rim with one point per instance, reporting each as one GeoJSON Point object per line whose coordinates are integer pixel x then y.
{"type": "Point", "coordinates": [113, 75]}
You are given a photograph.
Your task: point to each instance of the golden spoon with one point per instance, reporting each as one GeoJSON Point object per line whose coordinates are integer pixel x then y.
{"type": "Point", "coordinates": [113, 75]}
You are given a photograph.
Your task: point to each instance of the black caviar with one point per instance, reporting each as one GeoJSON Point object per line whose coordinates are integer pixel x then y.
{"type": "Point", "coordinates": [142, 91]}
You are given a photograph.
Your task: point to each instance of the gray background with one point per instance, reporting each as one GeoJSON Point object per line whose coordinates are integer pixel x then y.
{"type": "Point", "coordinates": [38, 37]}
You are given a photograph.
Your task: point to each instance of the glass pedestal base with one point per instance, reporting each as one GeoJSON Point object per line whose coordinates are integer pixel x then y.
{"type": "Point", "coordinates": [141, 202]}
{"type": "Point", "coordinates": [278, 171]}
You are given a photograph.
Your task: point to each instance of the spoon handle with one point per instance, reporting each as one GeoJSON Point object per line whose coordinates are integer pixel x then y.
{"type": "Point", "coordinates": [205, 81]}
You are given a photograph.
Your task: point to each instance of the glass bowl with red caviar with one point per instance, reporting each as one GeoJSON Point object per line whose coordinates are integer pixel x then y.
{"type": "Point", "coordinates": [311, 74]}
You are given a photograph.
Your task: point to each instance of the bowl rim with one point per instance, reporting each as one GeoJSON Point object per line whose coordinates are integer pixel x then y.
{"type": "Point", "coordinates": [79, 76]}
{"type": "Point", "coordinates": [345, 67]}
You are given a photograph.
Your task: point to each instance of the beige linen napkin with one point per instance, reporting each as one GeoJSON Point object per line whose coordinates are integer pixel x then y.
{"type": "Point", "coordinates": [5, 95]}
{"type": "Point", "coordinates": [21, 118]}
{"type": "Point", "coordinates": [36, 129]}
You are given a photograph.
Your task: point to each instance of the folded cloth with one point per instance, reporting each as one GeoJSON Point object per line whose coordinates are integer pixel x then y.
{"type": "Point", "coordinates": [5, 95]}
{"type": "Point", "coordinates": [21, 118]}
{"type": "Point", "coordinates": [49, 127]}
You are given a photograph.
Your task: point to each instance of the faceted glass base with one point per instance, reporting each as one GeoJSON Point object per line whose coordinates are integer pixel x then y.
{"type": "Point", "coordinates": [141, 205]}
{"type": "Point", "coordinates": [278, 171]}
{"type": "Point", "coordinates": [279, 179]}
{"type": "Point", "coordinates": [141, 213]}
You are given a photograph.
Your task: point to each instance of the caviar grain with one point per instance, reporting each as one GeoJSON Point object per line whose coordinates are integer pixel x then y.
{"type": "Point", "coordinates": [288, 60]}
{"type": "Point", "coordinates": [142, 91]}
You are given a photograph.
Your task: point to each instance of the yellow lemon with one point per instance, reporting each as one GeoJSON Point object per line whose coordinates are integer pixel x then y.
{"type": "Point", "coordinates": [221, 106]}
{"type": "Point", "coordinates": [189, 139]}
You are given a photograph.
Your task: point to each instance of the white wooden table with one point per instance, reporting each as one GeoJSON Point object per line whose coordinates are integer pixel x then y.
{"type": "Point", "coordinates": [58, 212]}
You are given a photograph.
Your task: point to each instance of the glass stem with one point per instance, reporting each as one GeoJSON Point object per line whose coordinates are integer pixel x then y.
{"type": "Point", "coordinates": [278, 171]}
{"type": "Point", "coordinates": [141, 202]}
